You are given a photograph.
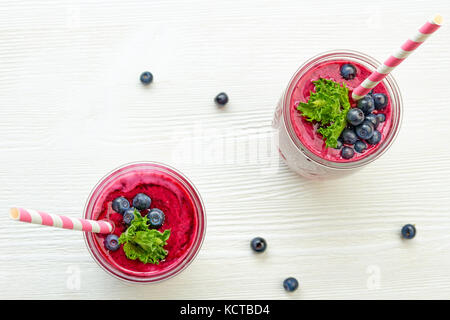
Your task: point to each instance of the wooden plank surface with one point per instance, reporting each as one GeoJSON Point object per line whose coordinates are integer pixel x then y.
{"type": "Point", "coordinates": [72, 109]}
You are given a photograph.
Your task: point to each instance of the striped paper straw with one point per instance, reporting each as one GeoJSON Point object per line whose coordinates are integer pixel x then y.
{"type": "Point", "coordinates": [53, 220]}
{"type": "Point", "coordinates": [394, 60]}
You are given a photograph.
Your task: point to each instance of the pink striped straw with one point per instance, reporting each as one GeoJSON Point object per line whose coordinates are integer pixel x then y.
{"type": "Point", "coordinates": [394, 60]}
{"type": "Point", "coordinates": [53, 220]}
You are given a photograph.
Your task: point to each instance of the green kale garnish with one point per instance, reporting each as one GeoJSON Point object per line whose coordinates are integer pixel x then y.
{"type": "Point", "coordinates": [140, 242]}
{"type": "Point", "coordinates": [328, 105]}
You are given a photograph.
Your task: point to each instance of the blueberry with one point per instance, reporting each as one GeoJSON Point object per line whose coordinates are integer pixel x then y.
{"type": "Point", "coordinates": [348, 71]}
{"type": "Point", "coordinates": [380, 101]}
{"type": "Point", "coordinates": [290, 284]}
{"type": "Point", "coordinates": [376, 137]}
{"type": "Point", "coordinates": [347, 153]}
{"type": "Point", "coordinates": [111, 242]}
{"type": "Point", "coordinates": [355, 116]}
{"type": "Point", "coordinates": [349, 136]}
{"type": "Point", "coordinates": [365, 130]}
{"type": "Point", "coordinates": [374, 119]}
{"type": "Point", "coordinates": [339, 143]}
{"type": "Point", "coordinates": [141, 201]}
{"type": "Point", "coordinates": [408, 231]}
{"type": "Point", "coordinates": [155, 218]}
{"type": "Point", "coordinates": [146, 77]}
{"type": "Point", "coordinates": [120, 204]}
{"type": "Point", "coordinates": [381, 117]}
{"type": "Point", "coordinates": [360, 146]}
{"type": "Point", "coordinates": [366, 104]}
{"type": "Point", "coordinates": [258, 244]}
{"type": "Point", "coordinates": [221, 99]}
{"type": "Point", "coordinates": [128, 216]}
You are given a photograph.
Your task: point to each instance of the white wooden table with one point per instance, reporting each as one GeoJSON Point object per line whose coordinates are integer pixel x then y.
{"type": "Point", "coordinates": [72, 109]}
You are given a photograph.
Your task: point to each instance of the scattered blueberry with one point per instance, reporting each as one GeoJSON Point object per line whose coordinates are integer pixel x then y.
{"type": "Point", "coordinates": [155, 218]}
{"type": "Point", "coordinates": [142, 201]}
{"type": "Point", "coordinates": [348, 71]}
{"type": "Point", "coordinates": [365, 130]}
{"type": "Point", "coordinates": [366, 104]}
{"type": "Point", "coordinates": [221, 99]}
{"type": "Point", "coordinates": [128, 216]}
{"type": "Point", "coordinates": [360, 146]}
{"type": "Point", "coordinates": [349, 136]}
{"type": "Point", "coordinates": [347, 153]}
{"type": "Point", "coordinates": [408, 231]}
{"type": "Point", "coordinates": [339, 143]}
{"type": "Point", "coordinates": [374, 119]}
{"type": "Point", "coordinates": [120, 204]}
{"type": "Point", "coordinates": [381, 117]}
{"type": "Point", "coordinates": [376, 137]}
{"type": "Point", "coordinates": [290, 284]}
{"type": "Point", "coordinates": [380, 100]}
{"type": "Point", "coordinates": [111, 242]}
{"type": "Point", "coordinates": [146, 77]}
{"type": "Point", "coordinates": [258, 244]}
{"type": "Point", "coordinates": [355, 116]}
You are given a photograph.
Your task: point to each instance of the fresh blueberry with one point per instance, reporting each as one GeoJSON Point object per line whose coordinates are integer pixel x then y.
{"type": "Point", "coordinates": [376, 137]}
{"type": "Point", "coordinates": [348, 71]}
{"type": "Point", "coordinates": [381, 117]}
{"type": "Point", "coordinates": [128, 216]}
{"type": "Point", "coordinates": [120, 204]}
{"type": "Point", "coordinates": [349, 136]}
{"type": "Point", "coordinates": [347, 153]}
{"type": "Point", "coordinates": [111, 242]}
{"type": "Point", "coordinates": [258, 244]}
{"type": "Point", "coordinates": [355, 116]}
{"type": "Point", "coordinates": [360, 146]}
{"type": "Point", "coordinates": [374, 119]}
{"type": "Point", "coordinates": [221, 99]}
{"type": "Point", "coordinates": [366, 104]}
{"type": "Point", "coordinates": [146, 77]}
{"type": "Point", "coordinates": [290, 284]}
{"type": "Point", "coordinates": [365, 130]}
{"type": "Point", "coordinates": [408, 231]}
{"type": "Point", "coordinates": [141, 201]}
{"type": "Point", "coordinates": [156, 218]}
{"type": "Point", "coordinates": [339, 143]}
{"type": "Point", "coordinates": [380, 100]}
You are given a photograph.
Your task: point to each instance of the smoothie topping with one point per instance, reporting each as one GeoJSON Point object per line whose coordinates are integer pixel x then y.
{"type": "Point", "coordinates": [140, 242]}
{"type": "Point", "coordinates": [120, 204]}
{"type": "Point", "coordinates": [128, 216]}
{"type": "Point", "coordinates": [142, 201]}
{"type": "Point", "coordinates": [156, 218]}
{"type": "Point", "coordinates": [328, 106]}
{"type": "Point", "coordinates": [348, 71]}
{"type": "Point", "coordinates": [112, 242]}
{"type": "Point", "coordinates": [380, 101]}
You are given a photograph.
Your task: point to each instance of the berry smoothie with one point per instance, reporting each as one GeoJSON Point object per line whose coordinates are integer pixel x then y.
{"type": "Point", "coordinates": [366, 128]}
{"type": "Point", "coordinates": [172, 195]}
{"type": "Point", "coordinates": [306, 131]}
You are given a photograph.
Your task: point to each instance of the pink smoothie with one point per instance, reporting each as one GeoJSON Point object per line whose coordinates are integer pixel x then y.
{"type": "Point", "coordinates": [167, 194]}
{"type": "Point", "coordinates": [306, 131]}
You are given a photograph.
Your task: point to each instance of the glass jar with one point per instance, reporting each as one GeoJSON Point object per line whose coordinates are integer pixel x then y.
{"type": "Point", "coordinates": [92, 211]}
{"type": "Point", "coordinates": [301, 159]}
